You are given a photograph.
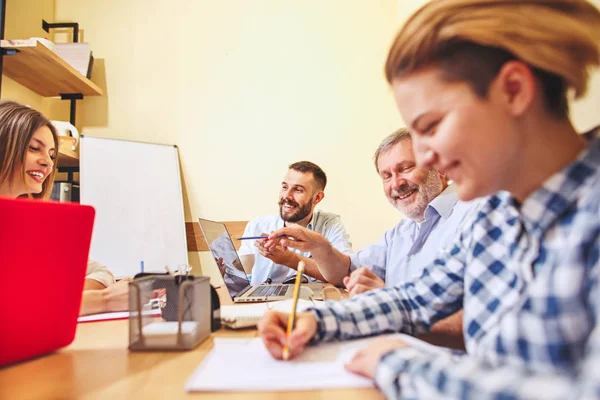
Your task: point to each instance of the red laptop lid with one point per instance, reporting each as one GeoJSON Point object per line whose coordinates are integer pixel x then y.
{"type": "Point", "coordinates": [43, 258]}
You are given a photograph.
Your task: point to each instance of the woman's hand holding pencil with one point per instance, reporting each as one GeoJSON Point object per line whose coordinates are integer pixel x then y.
{"type": "Point", "coordinates": [272, 329]}
{"type": "Point", "coordinates": [298, 329]}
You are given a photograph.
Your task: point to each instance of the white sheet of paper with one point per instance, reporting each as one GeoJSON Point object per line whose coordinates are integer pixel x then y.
{"type": "Point", "coordinates": [245, 365]}
{"type": "Point", "coordinates": [169, 328]}
{"type": "Point", "coordinates": [113, 315]}
{"type": "Point", "coordinates": [104, 316]}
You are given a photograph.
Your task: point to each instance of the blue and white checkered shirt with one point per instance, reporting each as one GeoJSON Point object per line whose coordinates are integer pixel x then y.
{"type": "Point", "coordinates": [527, 277]}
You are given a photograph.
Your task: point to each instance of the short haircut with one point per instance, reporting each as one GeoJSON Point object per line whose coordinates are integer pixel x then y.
{"type": "Point", "coordinates": [389, 142]}
{"type": "Point", "coordinates": [470, 40]}
{"type": "Point", "coordinates": [318, 174]}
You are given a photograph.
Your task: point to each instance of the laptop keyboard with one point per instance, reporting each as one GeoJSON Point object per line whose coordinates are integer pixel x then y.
{"type": "Point", "coordinates": [269, 290]}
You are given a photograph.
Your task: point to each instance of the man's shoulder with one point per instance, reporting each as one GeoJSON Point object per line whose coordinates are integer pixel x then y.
{"type": "Point", "coordinates": [325, 215]}
{"type": "Point", "coordinates": [322, 219]}
{"type": "Point", "coordinates": [401, 225]}
{"type": "Point", "coordinates": [465, 207]}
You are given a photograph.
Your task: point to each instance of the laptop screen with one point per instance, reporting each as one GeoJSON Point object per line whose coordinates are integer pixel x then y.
{"type": "Point", "coordinates": [225, 255]}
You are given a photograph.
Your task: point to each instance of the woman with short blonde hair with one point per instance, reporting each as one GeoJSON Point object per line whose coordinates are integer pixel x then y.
{"type": "Point", "coordinates": [483, 86]}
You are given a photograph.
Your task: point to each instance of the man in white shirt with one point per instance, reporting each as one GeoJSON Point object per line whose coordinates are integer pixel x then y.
{"type": "Point", "coordinates": [301, 190]}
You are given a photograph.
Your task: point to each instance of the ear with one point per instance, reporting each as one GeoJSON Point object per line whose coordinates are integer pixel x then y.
{"type": "Point", "coordinates": [318, 197]}
{"type": "Point", "coordinates": [515, 86]}
{"type": "Point", "coordinates": [444, 178]}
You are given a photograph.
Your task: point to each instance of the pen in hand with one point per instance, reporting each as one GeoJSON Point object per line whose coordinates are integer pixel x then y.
{"type": "Point", "coordinates": [257, 237]}
{"type": "Point", "coordinates": [292, 316]}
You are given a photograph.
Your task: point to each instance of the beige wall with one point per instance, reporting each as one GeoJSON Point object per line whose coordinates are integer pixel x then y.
{"type": "Point", "coordinates": [585, 112]}
{"type": "Point", "coordinates": [246, 87]}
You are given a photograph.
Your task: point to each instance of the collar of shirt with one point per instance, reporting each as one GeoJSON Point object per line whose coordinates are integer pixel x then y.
{"type": "Point", "coordinates": [442, 205]}
{"type": "Point", "coordinates": [444, 202]}
{"type": "Point", "coordinates": [541, 209]}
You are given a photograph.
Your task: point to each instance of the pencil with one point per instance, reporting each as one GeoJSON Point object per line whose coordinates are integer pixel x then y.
{"type": "Point", "coordinates": [292, 316]}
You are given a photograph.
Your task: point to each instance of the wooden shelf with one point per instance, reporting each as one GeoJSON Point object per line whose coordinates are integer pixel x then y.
{"type": "Point", "coordinates": [66, 156]}
{"type": "Point", "coordinates": [40, 69]}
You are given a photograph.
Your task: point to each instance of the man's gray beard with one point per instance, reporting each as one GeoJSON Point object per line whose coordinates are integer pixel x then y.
{"type": "Point", "coordinates": [431, 187]}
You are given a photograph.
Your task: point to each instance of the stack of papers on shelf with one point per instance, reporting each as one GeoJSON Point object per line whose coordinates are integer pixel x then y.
{"type": "Point", "coordinates": [248, 315]}
{"type": "Point", "coordinates": [77, 55]}
{"type": "Point", "coordinates": [27, 42]}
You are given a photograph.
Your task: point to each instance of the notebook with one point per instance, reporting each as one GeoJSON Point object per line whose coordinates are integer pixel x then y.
{"type": "Point", "coordinates": [248, 315]}
{"type": "Point", "coordinates": [234, 276]}
{"type": "Point", "coordinates": [43, 253]}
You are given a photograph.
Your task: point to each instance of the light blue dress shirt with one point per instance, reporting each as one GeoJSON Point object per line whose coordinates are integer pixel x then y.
{"type": "Point", "coordinates": [404, 250]}
{"type": "Point", "coordinates": [327, 224]}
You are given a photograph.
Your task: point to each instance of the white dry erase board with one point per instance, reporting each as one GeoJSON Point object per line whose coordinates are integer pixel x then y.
{"type": "Point", "coordinates": [136, 190]}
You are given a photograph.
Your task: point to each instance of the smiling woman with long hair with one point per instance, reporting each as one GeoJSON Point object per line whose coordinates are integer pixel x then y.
{"type": "Point", "coordinates": [28, 150]}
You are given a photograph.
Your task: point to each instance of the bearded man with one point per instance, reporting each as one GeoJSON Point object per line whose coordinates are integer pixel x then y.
{"type": "Point", "coordinates": [302, 189]}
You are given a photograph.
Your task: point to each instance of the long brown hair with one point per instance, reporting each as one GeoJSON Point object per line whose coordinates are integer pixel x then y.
{"type": "Point", "coordinates": [470, 40]}
{"type": "Point", "coordinates": [18, 123]}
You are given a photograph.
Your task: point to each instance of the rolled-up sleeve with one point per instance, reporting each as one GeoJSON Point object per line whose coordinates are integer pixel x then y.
{"type": "Point", "coordinates": [100, 273]}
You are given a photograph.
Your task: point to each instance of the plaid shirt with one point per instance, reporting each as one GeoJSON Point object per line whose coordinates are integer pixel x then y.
{"type": "Point", "coordinates": [527, 277]}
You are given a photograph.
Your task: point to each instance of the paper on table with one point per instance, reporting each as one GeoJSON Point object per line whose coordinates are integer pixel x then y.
{"type": "Point", "coordinates": [245, 315]}
{"type": "Point", "coordinates": [169, 328]}
{"type": "Point", "coordinates": [114, 315]}
{"type": "Point", "coordinates": [245, 365]}
{"type": "Point", "coordinates": [165, 333]}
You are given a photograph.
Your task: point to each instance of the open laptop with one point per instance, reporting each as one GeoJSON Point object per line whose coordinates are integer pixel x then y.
{"type": "Point", "coordinates": [43, 259]}
{"type": "Point", "coordinates": [235, 278]}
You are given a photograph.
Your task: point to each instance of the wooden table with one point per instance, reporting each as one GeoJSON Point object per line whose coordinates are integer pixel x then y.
{"type": "Point", "coordinates": [98, 365]}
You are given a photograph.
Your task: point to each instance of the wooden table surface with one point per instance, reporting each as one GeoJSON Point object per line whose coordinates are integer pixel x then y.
{"type": "Point", "coordinates": [98, 365]}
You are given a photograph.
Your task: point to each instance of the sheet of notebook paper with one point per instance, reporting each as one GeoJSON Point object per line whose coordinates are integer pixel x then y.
{"type": "Point", "coordinates": [245, 365]}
